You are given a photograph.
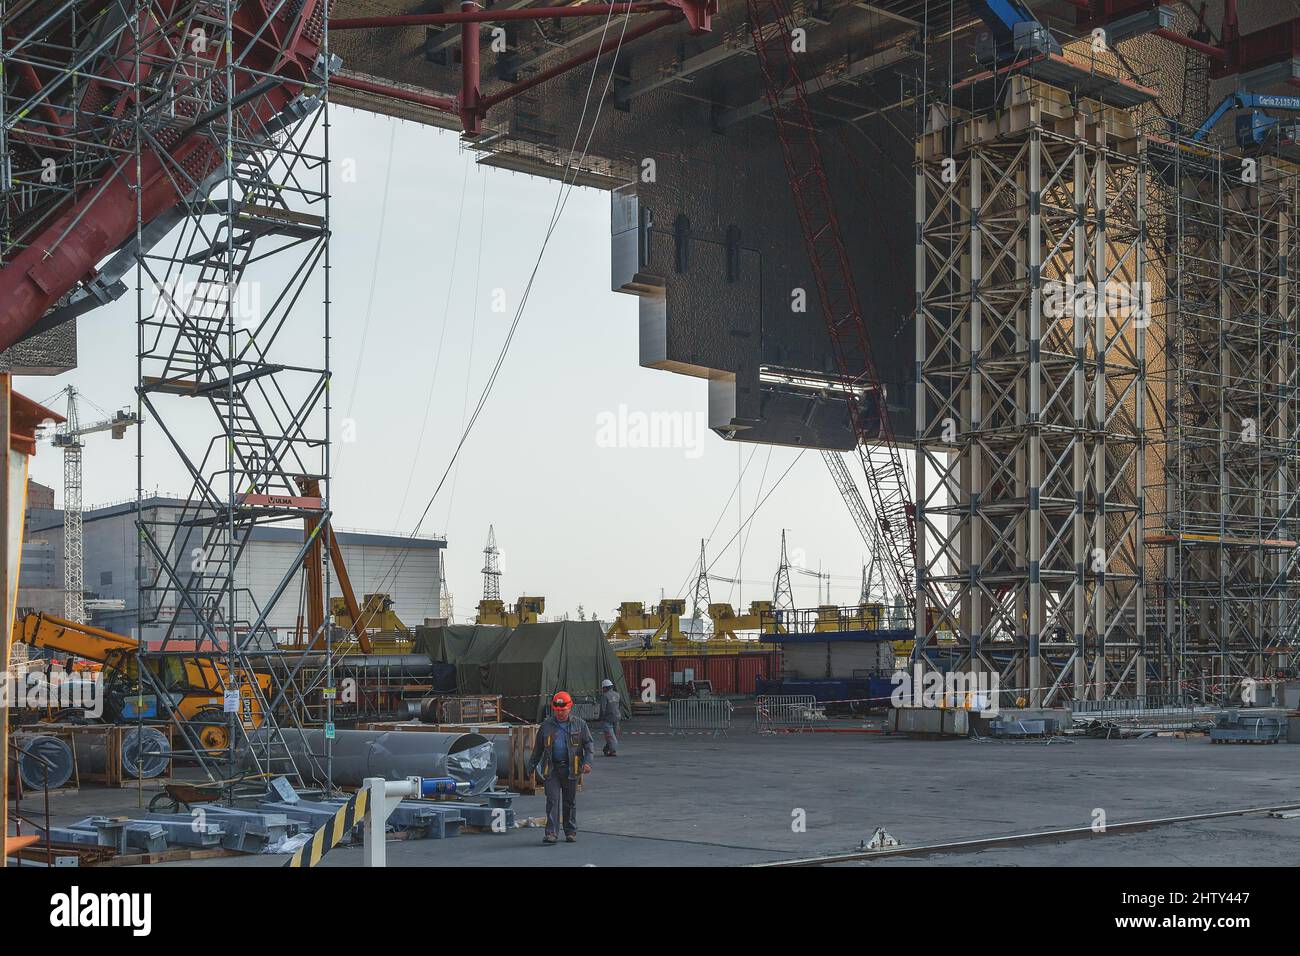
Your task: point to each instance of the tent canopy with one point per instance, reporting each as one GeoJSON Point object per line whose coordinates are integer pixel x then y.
{"type": "Point", "coordinates": [528, 664]}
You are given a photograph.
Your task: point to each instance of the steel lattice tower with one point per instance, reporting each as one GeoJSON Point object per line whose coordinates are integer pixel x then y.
{"type": "Point", "coordinates": [782, 592]}
{"type": "Point", "coordinates": [491, 567]}
{"type": "Point", "coordinates": [74, 564]}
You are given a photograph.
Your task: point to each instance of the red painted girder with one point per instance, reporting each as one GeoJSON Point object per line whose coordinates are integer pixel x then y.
{"type": "Point", "coordinates": [99, 221]}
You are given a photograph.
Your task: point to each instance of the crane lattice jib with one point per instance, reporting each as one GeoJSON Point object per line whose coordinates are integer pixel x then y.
{"type": "Point", "coordinates": [772, 28]}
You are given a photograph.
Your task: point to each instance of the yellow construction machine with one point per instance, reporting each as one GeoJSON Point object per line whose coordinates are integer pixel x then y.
{"type": "Point", "coordinates": [195, 685]}
{"type": "Point", "coordinates": [527, 610]}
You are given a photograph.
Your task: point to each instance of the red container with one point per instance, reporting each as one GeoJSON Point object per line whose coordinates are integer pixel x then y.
{"type": "Point", "coordinates": [721, 673]}
{"type": "Point", "coordinates": [749, 669]}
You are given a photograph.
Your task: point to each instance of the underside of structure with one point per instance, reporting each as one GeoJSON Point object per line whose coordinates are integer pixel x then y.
{"type": "Point", "coordinates": [864, 225]}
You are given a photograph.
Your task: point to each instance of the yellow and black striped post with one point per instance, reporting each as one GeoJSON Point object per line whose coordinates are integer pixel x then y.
{"type": "Point", "coordinates": [329, 834]}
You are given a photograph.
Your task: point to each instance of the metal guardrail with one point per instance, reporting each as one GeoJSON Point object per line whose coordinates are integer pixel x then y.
{"type": "Point", "coordinates": [699, 715]}
{"type": "Point", "coordinates": [1124, 706]}
{"type": "Point", "coordinates": [778, 712]}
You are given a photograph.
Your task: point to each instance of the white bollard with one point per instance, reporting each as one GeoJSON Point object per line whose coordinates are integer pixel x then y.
{"type": "Point", "coordinates": [384, 796]}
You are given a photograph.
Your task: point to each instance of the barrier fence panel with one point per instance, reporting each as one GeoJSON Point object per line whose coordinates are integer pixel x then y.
{"type": "Point", "coordinates": [695, 715]}
{"type": "Point", "coordinates": [778, 712]}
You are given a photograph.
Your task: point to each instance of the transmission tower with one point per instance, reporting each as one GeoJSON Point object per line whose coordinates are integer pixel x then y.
{"type": "Point", "coordinates": [782, 592]}
{"type": "Point", "coordinates": [446, 604]}
{"type": "Point", "coordinates": [700, 607]}
{"type": "Point", "coordinates": [69, 437]}
{"type": "Point", "coordinates": [491, 568]}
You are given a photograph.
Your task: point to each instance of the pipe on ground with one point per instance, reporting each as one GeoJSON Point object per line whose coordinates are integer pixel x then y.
{"type": "Point", "coordinates": [358, 754]}
{"type": "Point", "coordinates": [145, 753]}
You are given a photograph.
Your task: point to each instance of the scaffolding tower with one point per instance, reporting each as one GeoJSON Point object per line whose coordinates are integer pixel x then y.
{"type": "Point", "coordinates": [1031, 395]}
{"type": "Point", "coordinates": [1224, 546]}
{"type": "Point", "coordinates": [184, 143]}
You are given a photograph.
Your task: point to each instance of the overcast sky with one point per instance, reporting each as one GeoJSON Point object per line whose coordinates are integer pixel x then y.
{"type": "Point", "coordinates": [584, 512]}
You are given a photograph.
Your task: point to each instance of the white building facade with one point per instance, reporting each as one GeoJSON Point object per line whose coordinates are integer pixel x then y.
{"type": "Point", "coordinates": [409, 569]}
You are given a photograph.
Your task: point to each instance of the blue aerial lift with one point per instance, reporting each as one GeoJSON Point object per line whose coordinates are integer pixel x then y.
{"type": "Point", "coordinates": [1013, 32]}
{"type": "Point", "coordinates": [1256, 128]}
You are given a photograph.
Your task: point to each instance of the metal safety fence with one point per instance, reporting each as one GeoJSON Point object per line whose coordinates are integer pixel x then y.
{"type": "Point", "coordinates": [699, 715]}
{"type": "Point", "coordinates": [780, 712]}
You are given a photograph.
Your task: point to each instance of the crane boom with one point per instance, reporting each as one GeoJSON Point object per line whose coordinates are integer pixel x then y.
{"type": "Point", "coordinates": [886, 478]}
{"type": "Point", "coordinates": [71, 637]}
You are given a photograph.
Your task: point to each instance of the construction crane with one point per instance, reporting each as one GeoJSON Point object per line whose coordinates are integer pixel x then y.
{"type": "Point", "coordinates": [771, 25]}
{"type": "Point", "coordinates": [68, 436]}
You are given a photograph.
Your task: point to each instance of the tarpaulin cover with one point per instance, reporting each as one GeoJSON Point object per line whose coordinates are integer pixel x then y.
{"type": "Point", "coordinates": [528, 664]}
{"type": "Point", "coordinates": [540, 659]}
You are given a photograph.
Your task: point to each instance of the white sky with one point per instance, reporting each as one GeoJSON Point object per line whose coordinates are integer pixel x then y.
{"type": "Point", "coordinates": [577, 520]}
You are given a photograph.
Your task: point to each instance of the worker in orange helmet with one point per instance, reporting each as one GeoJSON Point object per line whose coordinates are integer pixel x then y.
{"type": "Point", "coordinates": [561, 755]}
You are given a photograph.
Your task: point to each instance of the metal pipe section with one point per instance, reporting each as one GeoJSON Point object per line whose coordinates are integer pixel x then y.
{"type": "Point", "coordinates": [39, 752]}
{"type": "Point", "coordinates": [393, 755]}
{"type": "Point", "coordinates": [145, 752]}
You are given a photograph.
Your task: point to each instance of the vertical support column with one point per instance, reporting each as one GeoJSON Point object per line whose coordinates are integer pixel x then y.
{"type": "Point", "coordinates": [1141, 318]}
{"type": "Point", "coordinates": [470, 118]}
{"type": "Point", "coordinates": [974, 473]}
{"type": "Point", "coordinates": [1080, 411]}
{"type": "Point", "coordinates": [1034, 441]}
{"type": "Point", "coordinates": [6, 615]}
{"type": "Point", "coordinates": [918, 647]}
{"type": "Point", "coordinates": [1100, 553]}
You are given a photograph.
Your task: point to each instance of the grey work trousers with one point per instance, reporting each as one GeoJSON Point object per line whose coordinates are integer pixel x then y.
{"type": "Point", "coordinates": [561, 799]}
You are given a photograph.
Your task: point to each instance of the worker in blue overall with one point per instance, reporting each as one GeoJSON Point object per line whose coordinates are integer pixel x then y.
{"type": "Point", "coordinates": [561, 754]}
{"type": "Point", "coordinates": [611, 712]}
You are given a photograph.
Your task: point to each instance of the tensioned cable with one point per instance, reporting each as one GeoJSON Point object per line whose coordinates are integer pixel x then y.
{"type": "Point", "coordinates": [562, 195]}
{"type": "Point", "coordinates": [374, 281]}
{"type": "Point", "coordinates": [442, 335]}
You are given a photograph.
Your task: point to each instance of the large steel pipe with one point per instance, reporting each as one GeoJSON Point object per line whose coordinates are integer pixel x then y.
{"type": "Point", "coordinates": [393, 755]}
{"type": "Point", "coordinates": [145, 753]}
{"type": "Point", "coordinates": [36, 754]}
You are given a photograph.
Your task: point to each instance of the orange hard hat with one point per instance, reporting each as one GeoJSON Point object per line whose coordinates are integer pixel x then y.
{"type": "Point", "coordinates": [561, 700]}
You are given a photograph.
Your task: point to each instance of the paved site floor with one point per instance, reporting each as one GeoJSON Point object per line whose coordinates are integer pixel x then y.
{"type": "Point", "coordinates": [704, 801]}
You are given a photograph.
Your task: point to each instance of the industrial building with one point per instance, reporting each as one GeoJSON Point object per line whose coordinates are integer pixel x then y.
{"type": "Point", "coordinates": [408, 569]}
{"type": "Point", "coordinates": [1020, 273]}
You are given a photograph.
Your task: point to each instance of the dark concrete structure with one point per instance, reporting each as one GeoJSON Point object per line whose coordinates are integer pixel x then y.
{"type": "Point", "coordinates": [704, 230]}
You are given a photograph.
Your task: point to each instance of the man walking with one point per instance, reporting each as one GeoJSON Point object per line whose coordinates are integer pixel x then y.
{"type": "Point", "coordinates": [561, 754]}
{"type": "Point", "coordinates": [610, 714]}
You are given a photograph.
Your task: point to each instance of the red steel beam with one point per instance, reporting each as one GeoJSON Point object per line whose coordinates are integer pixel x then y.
{"type": "Point", "coordinates": [87, 227]}
{"type": "Point", "coordinates": [1214, 52]}
{"type": "Point", "coordinates": [444, 104]}
{"type": "Point", "coordinates": [471, 113]}
{"type": "Point", "coordinates": [468, 15]}
{"type": "Point", "coordinates": [614, 41]}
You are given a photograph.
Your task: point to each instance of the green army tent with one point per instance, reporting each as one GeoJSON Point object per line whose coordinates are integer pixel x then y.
{"type": "Point", "coordinates": [539, 659]}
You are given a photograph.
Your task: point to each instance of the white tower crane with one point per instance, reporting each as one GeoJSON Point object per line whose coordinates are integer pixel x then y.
{"type": "Point", "coordinates": [68, 436]}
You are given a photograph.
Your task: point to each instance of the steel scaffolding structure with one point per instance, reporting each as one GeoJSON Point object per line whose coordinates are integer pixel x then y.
{"type": "Point", "coordinates": [187, 140]}
{"type": "Point", "coordinates": [1225, 547]}
{"type": "Point", "coordinates": [1031, 394]}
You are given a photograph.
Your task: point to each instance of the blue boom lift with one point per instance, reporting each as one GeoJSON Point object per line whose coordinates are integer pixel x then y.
{"type": "Point", "coordinates": [1256, 128]}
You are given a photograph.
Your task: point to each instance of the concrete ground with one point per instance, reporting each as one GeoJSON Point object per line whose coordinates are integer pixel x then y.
{"type": "Point", "coordinates": [704, 801]}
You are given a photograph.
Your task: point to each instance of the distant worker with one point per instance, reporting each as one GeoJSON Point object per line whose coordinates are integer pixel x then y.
{"type": "Point", "coordinates": [611, 713]}
{"type": "Point", "coordinates": [561, 755]}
